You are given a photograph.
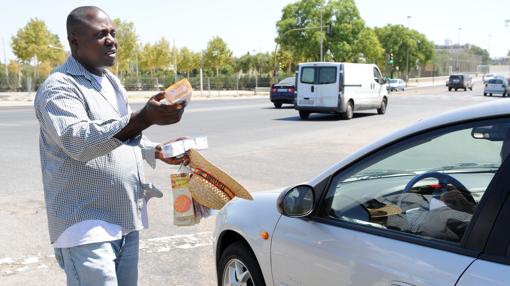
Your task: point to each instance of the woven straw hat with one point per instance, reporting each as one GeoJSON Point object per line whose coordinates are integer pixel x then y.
{"type": "Point", "coordinates": [210, 186]}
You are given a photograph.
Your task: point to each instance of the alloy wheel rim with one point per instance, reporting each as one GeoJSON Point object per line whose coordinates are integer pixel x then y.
{"type": "Point", "coordinates": [236, 273]}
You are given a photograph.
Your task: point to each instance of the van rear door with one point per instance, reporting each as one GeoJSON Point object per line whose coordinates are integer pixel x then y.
{"type": "Point", "coordinates": [306, 95]}
{"type": "Point", "coordinates": [327, 87]}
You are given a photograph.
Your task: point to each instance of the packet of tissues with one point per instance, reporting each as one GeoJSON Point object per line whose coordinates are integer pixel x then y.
{"type": "Point", "coordinates": [177, 148]}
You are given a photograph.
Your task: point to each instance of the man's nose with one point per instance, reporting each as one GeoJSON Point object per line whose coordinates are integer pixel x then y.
{"type": "Point", "coordinates": [109, 40]}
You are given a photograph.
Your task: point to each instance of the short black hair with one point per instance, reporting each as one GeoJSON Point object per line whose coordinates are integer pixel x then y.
{"type": "Point", "coordinates": [81, 16]}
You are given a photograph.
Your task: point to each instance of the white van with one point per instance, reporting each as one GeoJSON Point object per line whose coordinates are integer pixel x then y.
{"type": "Point", "coordinates": [340, 88]}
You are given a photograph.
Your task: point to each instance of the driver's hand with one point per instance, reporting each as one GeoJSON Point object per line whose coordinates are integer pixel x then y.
{"type": "Point", "coordinates": [454, 199]}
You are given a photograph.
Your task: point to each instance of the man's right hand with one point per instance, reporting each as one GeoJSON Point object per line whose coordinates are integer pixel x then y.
{"type": "Point", "coordinates": [155, 112]}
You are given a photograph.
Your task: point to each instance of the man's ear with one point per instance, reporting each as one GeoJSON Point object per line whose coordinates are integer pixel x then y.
{"type": "Point", "coordinates": [73, 42]}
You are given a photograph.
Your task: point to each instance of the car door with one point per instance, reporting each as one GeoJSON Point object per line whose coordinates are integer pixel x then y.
{"type": "Point", "coordinates": [493, 265]}
{"type": "Point", "coordinates": [411, 213]}
{"type": "Point", "coordinates": [327, 86]}
{"type": "Point", "coordinates": [376, 89]}
{"type": "Point", "coordinates": [307, 88]}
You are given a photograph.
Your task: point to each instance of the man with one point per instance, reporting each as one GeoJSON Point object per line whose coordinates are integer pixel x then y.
{"type": "Point", "coordinates": [92, 148]}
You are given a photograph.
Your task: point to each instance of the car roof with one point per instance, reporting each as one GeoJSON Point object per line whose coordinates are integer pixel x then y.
{"type": "Point", "coordinates": [479, 111]}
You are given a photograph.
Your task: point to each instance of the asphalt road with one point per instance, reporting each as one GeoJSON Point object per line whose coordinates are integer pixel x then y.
{"type": "Point", "coordinates": [264, 148]}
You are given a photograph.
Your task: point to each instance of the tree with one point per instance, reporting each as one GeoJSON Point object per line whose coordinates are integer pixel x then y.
{"type": "Point", "coordinates": [156, 56]}
{"type": "Point", "coordinates": [217, 55]}
{"type": "Point", "coordinates": [369, 48]}
{"type": "Point", "coordinates": [483, 53]}
{"type": "Point", "coordinates": [299, 30]}
{"type": "Point", "coordinates": [35, 41]}
{"type": "Point", "coordinates": [407, 46]}
{"type": "Point", "coordinates": [127, 41]}
{"type": "Point", "coordinates": [188, 61]}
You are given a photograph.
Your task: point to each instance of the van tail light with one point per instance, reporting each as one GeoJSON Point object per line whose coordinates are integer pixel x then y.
{"type": "Point", "coordinates": [291, 90]}
{"type": "Point", "coordinates": [273, 89]}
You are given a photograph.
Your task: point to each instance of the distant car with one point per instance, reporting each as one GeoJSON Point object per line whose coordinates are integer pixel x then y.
{"type": "Point", "coordinates": [283, 92]}
{"type": "Point", "coordinates": [497, 85]}
{"type": "Point", "coordinates": [396, 84]}
{"type": "Point", "coordinates": [487, 77]}
{"type": "Point", "coordinates": [427, 205]}
{"type": "Point", "coordinates": [460, 81]}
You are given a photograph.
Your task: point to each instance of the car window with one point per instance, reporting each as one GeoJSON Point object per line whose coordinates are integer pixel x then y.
{"type": "Point", "coordinates": [495, 81]}
{"type": "Point", "coordinates": [393, 81]}
{"type": "Point", "coordinates": [428, 186]}
{"type": "Point", "coordinates": [455, 77]}
{"type": "Point", "coordinates": [377, 76]}
{"type": "Point", "coordinates": [287, 81]}
{"type": "Point", "coordinates": [308, 75]}
{"type": "Point", "coordinates": [327, 75]}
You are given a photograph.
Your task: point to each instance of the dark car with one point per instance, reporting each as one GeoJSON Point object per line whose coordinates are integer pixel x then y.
{"type": "Point", "coordinates": [283, 92]}
{"type": "Point", "coordinates": [460, 81]}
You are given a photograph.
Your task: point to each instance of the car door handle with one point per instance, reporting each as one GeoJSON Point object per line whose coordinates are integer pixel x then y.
{"type": "Point", "coordinates": [312, 88]}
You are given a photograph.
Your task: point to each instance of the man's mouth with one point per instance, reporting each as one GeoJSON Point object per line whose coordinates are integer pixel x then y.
{"type": "Point", "coordinates": [111, 53]}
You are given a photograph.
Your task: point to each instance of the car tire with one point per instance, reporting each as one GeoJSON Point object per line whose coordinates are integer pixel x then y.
{"type": "Point", "coordinates": [304, 114]}
{"type": "Point", "coordinates": [490, 94]}
{"type": "Point", "coordinates": [349, 111]}
{"type": "Point", "coordinates": [484, 94]}
{"type": "Point", "coordinates": [382, 109]}
{"type": "Point", "coordinates": [449, 89]}
{"type": "Point", "coordinates": [471, 88]}
{"type": "Point", "coordinates": [277, 104]}
{"type": "Point", "coordinates": [504, 94]}
{"type": "Point", "coordinates": [239, 254]}
{"type": "Point", "coordinates": [456, 89]}
{"type": "Point", "coordinates": [465, 89]}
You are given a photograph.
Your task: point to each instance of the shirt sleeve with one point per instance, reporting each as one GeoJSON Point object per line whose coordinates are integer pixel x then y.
{"type": "Point", "coordinates": [148, 151]}
{"type": "Point", "coordinates": [62, 114]}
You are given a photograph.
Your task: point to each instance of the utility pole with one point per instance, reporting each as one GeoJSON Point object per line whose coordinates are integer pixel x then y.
{"type": "Point", "coordinates": [321, 36]}
{"type": "Point", "coordinates": [175, 61]}
{"type": "Point", "coordinates": [407, 54]}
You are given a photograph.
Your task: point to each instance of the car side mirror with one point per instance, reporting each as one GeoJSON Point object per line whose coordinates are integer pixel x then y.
{"type": "Point", "coordinates": [297, 201]}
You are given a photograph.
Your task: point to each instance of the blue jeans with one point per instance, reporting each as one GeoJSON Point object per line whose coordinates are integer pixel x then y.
{"type": "Point", "coordinates": [105, 263]}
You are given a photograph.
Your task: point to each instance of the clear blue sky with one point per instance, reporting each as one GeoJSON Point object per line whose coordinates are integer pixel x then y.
{"type": "Point", "coordinates": [249, 26]}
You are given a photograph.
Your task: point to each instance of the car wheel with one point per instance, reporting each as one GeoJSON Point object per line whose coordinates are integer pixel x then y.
{"type": "Point", "coordinates": [277, 104]}
{"type": "Point", "coordinates": [504, 94]}
{"type": "Point", "coordinates": [449, 89]}
{"type": "Point", "coordinates": [238, 266]}
{"type": "Point", "coordinates": [471, 88]}
{"type": "Point", "coordinates": [349, 112]}
{"type": "Point", "coordinates": [484, 94]}
{"type": "Point", "coordinates": [382, 109]}
{"type": "Point", "coordinates": [490, 94]}
{"type": "Point", "coordinates": [456, 89]}
{"type": "Point", "coordinates": [304, 114]}
{"type": "Point", "coordinates": [465, 89]}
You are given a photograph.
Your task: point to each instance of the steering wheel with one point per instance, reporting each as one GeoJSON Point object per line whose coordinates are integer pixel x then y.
{"type": "Point", "coordinates": [444, 180]}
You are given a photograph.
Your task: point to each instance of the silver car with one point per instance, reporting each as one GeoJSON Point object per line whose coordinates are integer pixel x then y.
{"type": "Point", "coordinates": [427, 205]}
{"type": "Point", "coordinates": [497, 85]}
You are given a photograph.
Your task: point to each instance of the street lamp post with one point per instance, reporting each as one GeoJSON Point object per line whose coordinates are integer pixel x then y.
{"type": "Point", "coordinates": [294, 30]}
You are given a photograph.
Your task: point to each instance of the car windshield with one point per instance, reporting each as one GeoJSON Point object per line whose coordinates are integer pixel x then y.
{"type": "Point", "coordinates": [393, 81]}
{"type": "Point", "coordinates": [455, 77]}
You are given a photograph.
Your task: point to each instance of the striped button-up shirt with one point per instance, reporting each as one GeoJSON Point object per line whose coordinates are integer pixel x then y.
{"type": "Point", "coordinates": [87, 173]}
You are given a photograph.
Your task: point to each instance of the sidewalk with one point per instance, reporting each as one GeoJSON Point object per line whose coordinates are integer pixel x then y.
{"type": "Point", "coordinates": [27, 98]}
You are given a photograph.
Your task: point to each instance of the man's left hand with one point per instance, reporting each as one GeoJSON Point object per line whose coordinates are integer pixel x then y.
{"type": "Point", "coordinates": [172, 160]}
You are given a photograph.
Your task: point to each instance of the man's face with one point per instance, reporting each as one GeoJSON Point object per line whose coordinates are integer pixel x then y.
{"type": "Point", "coordinates": [95, 42]}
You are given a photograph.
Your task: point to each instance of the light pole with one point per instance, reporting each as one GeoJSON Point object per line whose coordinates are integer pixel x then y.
{"type": "Point", "coordinates": [407, 54]}
{"type": "Point", "coordinates": [458, 49]}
